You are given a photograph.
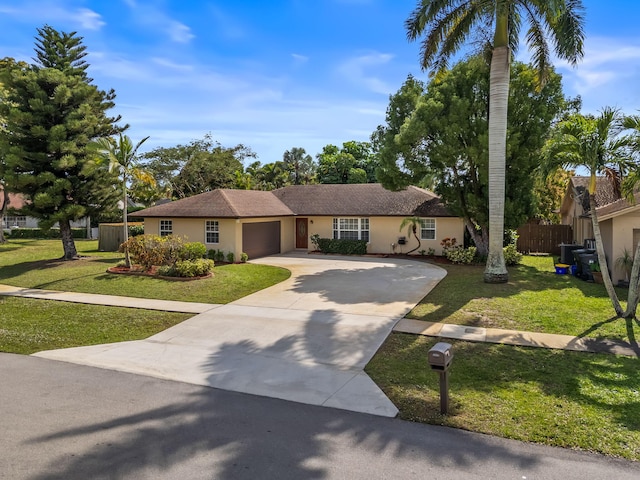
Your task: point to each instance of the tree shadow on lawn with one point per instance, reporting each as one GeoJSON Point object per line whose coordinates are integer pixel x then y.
{"type": "Point", "coordinates": [236, 436]}
{"type": "Point", "coordinates": [465, 284]}
{"type": "Point", "coordinates": [607, 382]}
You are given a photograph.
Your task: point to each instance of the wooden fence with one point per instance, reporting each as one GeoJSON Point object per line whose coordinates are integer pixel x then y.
{"type": "Point", "coordinates": [543, 238]}
{"type": "Point", "coordinates": [111, 235]}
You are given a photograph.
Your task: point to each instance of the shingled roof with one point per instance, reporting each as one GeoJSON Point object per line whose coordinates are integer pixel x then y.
{"type": "Point", "coordinates": [605, 192]}
{"type": "Point", "coordinates": [221, 203]}
{"type": "Point", "coordinates": [363, 199]}
{"type": "Point", "coordinates": [367, 199]}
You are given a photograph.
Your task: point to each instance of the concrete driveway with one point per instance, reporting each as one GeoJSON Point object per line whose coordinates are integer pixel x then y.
{"type": "Point", "coordinates": [306, 339]}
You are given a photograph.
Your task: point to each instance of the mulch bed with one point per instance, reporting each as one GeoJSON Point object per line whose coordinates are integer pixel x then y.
{"type": "Point", "coordinates": [152, 272]}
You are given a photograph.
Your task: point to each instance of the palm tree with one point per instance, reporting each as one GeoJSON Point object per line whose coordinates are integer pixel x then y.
{"type": "Point", "coordinates": [593, 143]}
{"type": "Point", "coordinates": [448, 24]}
{"type": "Point", "coordinates": [414, 223]}
{"type": "Point", "coordinates": [629, 189]}
{"type": "Point", "coordinates": [121, 155]}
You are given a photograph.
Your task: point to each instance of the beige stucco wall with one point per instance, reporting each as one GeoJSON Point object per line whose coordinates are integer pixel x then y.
{"type": "Point", "coordinates": [385, 231]}
{"type": "Point", "coordinates": [621, 237]}
{"type": "Point", "coordinates": [193, 229]}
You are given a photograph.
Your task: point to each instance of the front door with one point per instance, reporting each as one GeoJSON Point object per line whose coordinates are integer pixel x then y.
{"type": "Point", "coordinates": [302, 233]}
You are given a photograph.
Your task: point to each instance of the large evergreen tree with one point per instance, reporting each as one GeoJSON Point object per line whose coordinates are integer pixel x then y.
{"type": "Point", "coordinates": [52, 112]}
{"type": "Point", "coordinates": [439, 132]}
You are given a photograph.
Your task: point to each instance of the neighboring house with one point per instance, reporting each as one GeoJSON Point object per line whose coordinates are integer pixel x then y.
{"type": "Point", "coordinates": [619, 220]}
{"type": "Point", "coordinates": [13, 219]}
{"type": "Point", "coordinates": [262, 223]}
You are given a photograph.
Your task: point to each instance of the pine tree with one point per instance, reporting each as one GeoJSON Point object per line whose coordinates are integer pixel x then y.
{"type": "Point", "coordinates": [53, 112]}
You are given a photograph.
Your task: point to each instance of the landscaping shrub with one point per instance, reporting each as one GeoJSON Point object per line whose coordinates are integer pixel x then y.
{"type": "Point", "coordinates": [218, 256]}
{"type": "Point", "coordinates": [344, 247]}
{"type": "Point", "coordinates": [40, 233]}
{"type": "Point", "coordinates": [152, 250]}
{"type": "Point", "coordinates": [194, 268]}
{"type": "Point", "coordinates": [315, 239]}
{"type": "Point", "coordinates": [461, 255]}
{"type": "Point", "coordinates": [511, 255]}
{"type": "Point", "coordinates": [192, 251]}
{"type": "Point", "coordinates": [135, 230]}
{"type": "Point", "coordinates": [244, 257]}
{"type": "Point", "coordinates": [231, 257]}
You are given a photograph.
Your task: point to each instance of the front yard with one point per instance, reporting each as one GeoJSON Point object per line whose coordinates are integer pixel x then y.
{"type": "Point", "coordinates": [568, 399]}
{"type": "Point", "coordinates": [577, 400]}
{"type": "Point", "coordinates": [29, 325]}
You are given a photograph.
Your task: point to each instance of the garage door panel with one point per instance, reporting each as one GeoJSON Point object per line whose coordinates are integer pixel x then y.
{"type": "Point", "coordinates": [261, 239]}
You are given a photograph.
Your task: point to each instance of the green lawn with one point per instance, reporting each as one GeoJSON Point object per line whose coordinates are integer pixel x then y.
{"type": "Point", "coordinates": [28, 325]}
{"type": "Point", "coordinates": [566, 399]}
{"type": "Point", "coordinates": [535, 299]}
{"type": "Point", "coordinates": [35, 264]}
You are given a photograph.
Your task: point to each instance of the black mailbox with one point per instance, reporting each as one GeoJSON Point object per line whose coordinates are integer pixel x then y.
{"type": "Point", "coordinates": [440, 356]}
{"type": "Point", "coordinates": [402, 240]}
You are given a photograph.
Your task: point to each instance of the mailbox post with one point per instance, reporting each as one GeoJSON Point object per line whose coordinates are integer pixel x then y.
{"type": "Point", "coordinates": [440, 357]}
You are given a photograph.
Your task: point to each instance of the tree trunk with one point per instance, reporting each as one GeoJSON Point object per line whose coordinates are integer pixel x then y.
{"type": "Point", "coordinates": [414, 230]}
{"type": "Point", "coordinates": [496, 270]}
{"type": "Point", "coordinates": [480, 237]}
{"type": "Point", "coordinates": [68, 244]}
{"type": "Point", "coordinates": [3, 211]}
{"type": "Point", "coordinates": [127, 258]}
{"type": "Point", "coordinates": [633, 296]}
{"type": "Point", "coordinates": [602, 259]}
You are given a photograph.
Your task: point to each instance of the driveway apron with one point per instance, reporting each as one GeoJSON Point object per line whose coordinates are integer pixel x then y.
{"type": "Point", "coordinates": [306, 339]}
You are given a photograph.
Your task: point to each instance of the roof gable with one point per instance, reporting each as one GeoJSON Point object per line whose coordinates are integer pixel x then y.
{"type": "Point", "coordinates": [221, 203]}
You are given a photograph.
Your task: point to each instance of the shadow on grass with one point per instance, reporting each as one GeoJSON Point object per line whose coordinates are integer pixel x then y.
{"type": "Point", "coordinates": [582, 391]}
{"type": "Point", "coordinates": [233, 436]}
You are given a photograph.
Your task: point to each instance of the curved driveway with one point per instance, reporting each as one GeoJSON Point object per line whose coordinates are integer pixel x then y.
{"type": "Point", "coordinates": [306, 339]}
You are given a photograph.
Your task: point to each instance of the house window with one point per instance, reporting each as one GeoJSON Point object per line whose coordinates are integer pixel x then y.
{"type": "Point", "coordinates": [212, 231]}
{"type": "Point", "coordinates": [351, 229]}
{"type": "Point", "coordinates": [428, 228]}
{"type": "Point", "coordinates": [15, 221]}
{"type": "Point", "coordinates": [166, 227]}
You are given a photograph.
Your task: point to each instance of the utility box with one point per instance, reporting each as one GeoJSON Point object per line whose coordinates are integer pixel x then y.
{"type": "Point", "coordinates": [440, 356]}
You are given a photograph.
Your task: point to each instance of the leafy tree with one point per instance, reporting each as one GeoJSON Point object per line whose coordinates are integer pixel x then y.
{"type": "Point", "coordinates": [591, 142]}
{"type": "Point", "coordinates": [52, 113]}
{"type": "Point", "coordinates": [353, 163]}
{"type": "Point", "coordinates": [200, 166]}
{"type": "Point", "coordinates": [121, 157]}
{"type": "Point", "coordinates": [447, 24]}
{"type": "Point", "coordinates": [300, 166]}
{"type": "Point", "coordinates": [549, 190]}
{"type": "Point", "coordinates": [444, 137]}
{"type": "Point", "coordinates": [271, 176]}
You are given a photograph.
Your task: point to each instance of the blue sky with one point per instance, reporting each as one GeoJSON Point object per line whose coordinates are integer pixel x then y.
{"type": "Point", "coordinates": [283, 73]}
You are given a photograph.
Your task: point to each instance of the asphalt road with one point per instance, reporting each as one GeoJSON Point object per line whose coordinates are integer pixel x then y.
{"type": "Point", "coordinates": [64, 421]}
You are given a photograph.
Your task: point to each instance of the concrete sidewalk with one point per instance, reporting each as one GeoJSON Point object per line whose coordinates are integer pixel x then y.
{"type": "Point", "coordinates": [513, 337]}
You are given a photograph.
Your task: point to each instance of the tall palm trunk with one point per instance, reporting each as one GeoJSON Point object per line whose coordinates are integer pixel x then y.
{"type": "Point", "coordinates": [496, 270]}
{"type": "Point", "coordinates": [125, 236]}
{"type": "Point", "coordinates": [602, 259]}
{"type": "Point", "coordinates": [634, 295]}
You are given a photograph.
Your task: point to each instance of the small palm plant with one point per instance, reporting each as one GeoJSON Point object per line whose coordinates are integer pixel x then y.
{"type": "Point", "coordinates": [414, 223]}
{"type": "Point", "coordinates": [625, 262]}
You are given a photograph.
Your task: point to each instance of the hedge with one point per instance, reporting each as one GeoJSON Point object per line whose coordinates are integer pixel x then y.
{"type": "Point", "coordinates": [345, 247]}
{"type": "Point", "coordinates": [39, 233]}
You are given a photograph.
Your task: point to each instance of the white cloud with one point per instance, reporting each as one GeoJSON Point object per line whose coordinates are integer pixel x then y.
{"type": "Point", "coordinates": [89, 19]}
{"type": "Point", "coordinates": [299, 59]}
{"type": "Point", "coordinates": [179, 32]}
{"type": "Point", "coordinates": [356, 70]}
{"type": "Point", "coordinates": [164, 62]}
{"type": "Point", "coordinates": [52, 12]}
